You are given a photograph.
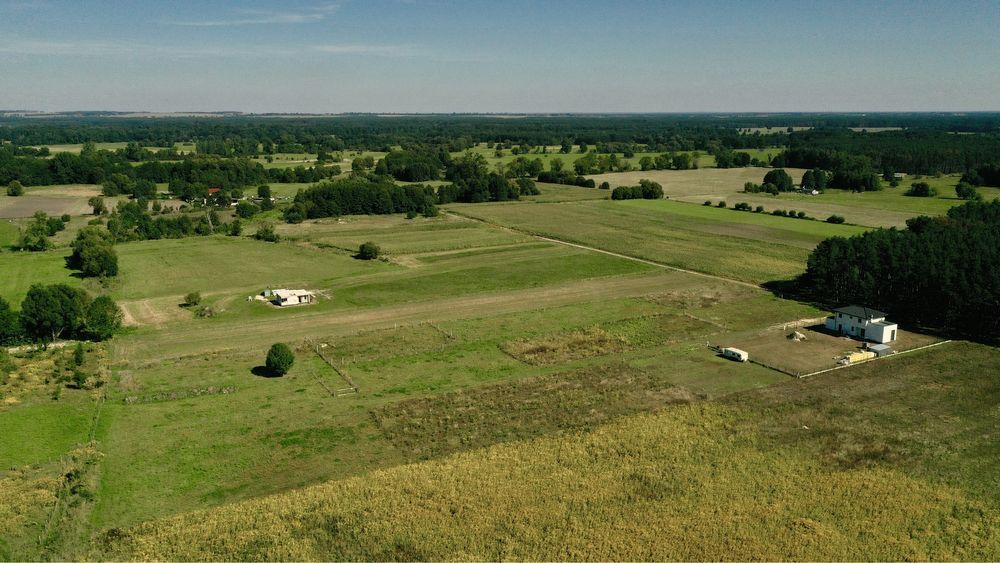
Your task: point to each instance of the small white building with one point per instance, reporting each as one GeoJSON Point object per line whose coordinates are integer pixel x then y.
{"type": "Point", "coordinates": [289, 297]}
{"type": "Point", "coordinates": [862, 322]}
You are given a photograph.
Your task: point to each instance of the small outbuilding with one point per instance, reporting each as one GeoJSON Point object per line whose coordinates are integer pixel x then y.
{"type": "Point", "coordinates": [881, 350]}
{"type": "Point", "coordinates": [862, 322]}
{"type": "Point", "coordinates": [289, 297]}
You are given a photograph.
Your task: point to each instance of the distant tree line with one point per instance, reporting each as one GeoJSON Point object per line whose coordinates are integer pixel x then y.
{"type": "Point", "coordinates": [191, 175]}
{"type": "Point", "coordinates": [915, 151]}
{"type": "Point", "coordinates": [939, 271]}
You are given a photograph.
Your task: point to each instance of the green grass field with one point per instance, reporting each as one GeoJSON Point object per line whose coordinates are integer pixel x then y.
{"type": "Point", "coordinates": [886, 208]}
{"type": "Point", "coordinates": [517, 398]}
{"type": "Point", "coordinates": [242, 443]}
{"type": "Point", "coordinates": [45, 431]}
{"type": "Point", "coordinates": [8, 234]}
{"type": "Point", "coordinates": [745, 246]}
{"type": "Point", "coordinates": [816, 469]}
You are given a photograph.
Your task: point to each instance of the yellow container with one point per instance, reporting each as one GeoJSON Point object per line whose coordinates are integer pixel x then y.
{"type": "Point", "coordinates": [855, 357]}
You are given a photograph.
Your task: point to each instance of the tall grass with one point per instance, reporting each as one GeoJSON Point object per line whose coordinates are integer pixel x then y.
{"type": "Point", "coordinates": [687, 483]}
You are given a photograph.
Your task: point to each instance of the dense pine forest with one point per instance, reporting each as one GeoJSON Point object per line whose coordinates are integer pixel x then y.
{"type": "Point", "coordinates": [941, 272]}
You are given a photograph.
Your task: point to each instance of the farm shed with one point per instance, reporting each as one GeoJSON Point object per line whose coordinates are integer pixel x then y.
{"type": "Point", "coordinates": [289, 297]}
{"type": "Point", "coordinates": [862, 322]}
{"type": "Point", "coordinates": [881, 350]}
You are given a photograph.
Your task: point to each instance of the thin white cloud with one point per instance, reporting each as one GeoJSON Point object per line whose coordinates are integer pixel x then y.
{"type": "Point", "coordinates": [243, 17]}
{"type": "Point", "coordinates": [368, 49]}
{"type": "Point", "coordinates": [107, 49]}
{"type": "Point", "coordinates": [60, 48]}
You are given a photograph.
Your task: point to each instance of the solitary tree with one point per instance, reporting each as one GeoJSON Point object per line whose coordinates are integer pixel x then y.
{"type": "Point", "coordinates": [93, 253]}
{"type": "Point", "coordinates": [97, 203]}
{"type": "Point", "coordinates": [967, 191]}
{"type": "Point", "coordinates": [279, 359]}
{"type": "Point", "coordinates": [14, 188]}
{"type": "Point", "coordinates": [192, 299]}
{"type": "Point", "coordinates": [368, 251]}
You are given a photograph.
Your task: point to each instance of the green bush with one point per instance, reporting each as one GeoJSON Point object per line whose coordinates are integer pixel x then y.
{"type": "Point", "coordinates": [279, 359]}
{"type": "Point", "coordinates": [192, 299]}
{"type": "Point", "coordinates": [368, 251]}
{"type": "Point", "coordinates": [967, 191]}
{"type": "Point", "coordinates": [835, 219]}
{"type": "Point", "coordinates": [266, 233]}
{"type": "Point", "coordinates": [921, 189]}
{"type": "Point", "coordinates": [15, 189]}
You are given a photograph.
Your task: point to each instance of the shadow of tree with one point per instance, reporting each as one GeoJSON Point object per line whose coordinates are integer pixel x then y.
{"type": "Point", "coordinates": [263, 371]}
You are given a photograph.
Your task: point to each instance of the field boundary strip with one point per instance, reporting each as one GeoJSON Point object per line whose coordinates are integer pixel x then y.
{"type": "Point", "coordinates": [602, 251]}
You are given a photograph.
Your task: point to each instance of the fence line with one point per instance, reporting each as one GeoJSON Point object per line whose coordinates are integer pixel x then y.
{"type": "Point", "coordinates": [353, 387]}
{"type": "Point", "coordinates": [875, 358]}
{"type": "Point", "coordinates": [825, 370]}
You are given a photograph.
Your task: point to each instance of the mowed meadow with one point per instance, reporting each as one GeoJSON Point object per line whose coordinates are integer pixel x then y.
{"type": "Point", "coordinates": [533, 382]}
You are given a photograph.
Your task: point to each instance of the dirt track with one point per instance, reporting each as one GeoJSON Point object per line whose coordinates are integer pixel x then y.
{"type": "Point", "coordinates": [199, 338]}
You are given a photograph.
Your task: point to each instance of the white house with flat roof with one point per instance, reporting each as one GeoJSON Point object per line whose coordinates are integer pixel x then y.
{"type": "Point", "coordinates": [287, 297]}
{"type": "Point", "coordinates": [862, 322]}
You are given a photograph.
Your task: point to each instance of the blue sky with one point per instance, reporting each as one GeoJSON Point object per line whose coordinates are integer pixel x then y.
{"type": "Point", "coordinates": [500, 56]}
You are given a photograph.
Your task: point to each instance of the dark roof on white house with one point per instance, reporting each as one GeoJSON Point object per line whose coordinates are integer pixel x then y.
{"type": "Point", "coordinates": [861, 312]}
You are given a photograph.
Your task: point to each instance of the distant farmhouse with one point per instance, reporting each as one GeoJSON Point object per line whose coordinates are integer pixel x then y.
{"type": "Point", "coordinates": [862, 322]}
{"type": "Point", "coordinates": [289, 297]}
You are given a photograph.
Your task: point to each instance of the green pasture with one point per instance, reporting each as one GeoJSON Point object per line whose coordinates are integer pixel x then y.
{"type": "Point", "coordinates": [739, 245]}
{"type": "Point", "coordinates": [171, 450]}
{"type": "Point", "coordinates": [44, 431]}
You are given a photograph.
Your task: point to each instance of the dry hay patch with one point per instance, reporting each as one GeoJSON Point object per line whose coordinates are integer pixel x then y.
{"type": "Point", "coordinates": [559, 348]}
{"type": "Point", "coordinates": [434, 426]}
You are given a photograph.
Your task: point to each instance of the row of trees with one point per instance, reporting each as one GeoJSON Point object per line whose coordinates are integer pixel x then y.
{"type": "Point", "coordinates": [939, 271]}
{"type": "Point", "coordinates": [132, 221]}
{"type": "Point", "coordinates": [473, 182]}
{"type": "Point", "coordinates": [647, 189]}
{"type": "Point", "coordinates": [847, 171]}
{"type": "Point", "coordinates": [49, 312]}
{"type": "Point", "coordinates": [189, 177]}
{"type": "Point", "coordinates": [361, 195]}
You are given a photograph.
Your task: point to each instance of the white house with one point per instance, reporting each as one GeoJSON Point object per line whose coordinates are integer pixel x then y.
{"type": "Point", "coordinates": [863, 323]}
{"type": "Point", "coordinates": [288, 297]}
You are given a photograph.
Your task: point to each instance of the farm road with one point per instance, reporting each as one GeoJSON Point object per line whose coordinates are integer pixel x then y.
{"type": "Point", "coordinates": [602, 251]}
{"type": "Point", "coordinates": [198, 338]}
